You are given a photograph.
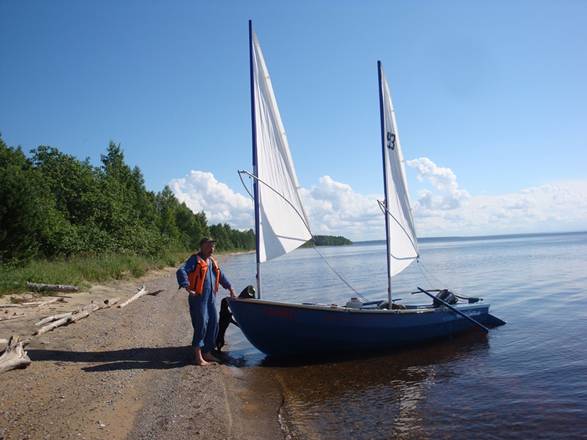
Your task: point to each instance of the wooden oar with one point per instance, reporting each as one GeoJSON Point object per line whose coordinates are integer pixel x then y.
{"type": "Point", "coordinates": [454, 309]}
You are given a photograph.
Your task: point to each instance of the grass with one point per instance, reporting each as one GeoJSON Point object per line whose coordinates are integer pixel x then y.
{"type": "Point", "coordinates": [81, 271]}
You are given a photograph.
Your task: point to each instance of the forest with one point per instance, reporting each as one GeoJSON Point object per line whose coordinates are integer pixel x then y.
{"type": "Point", "coordinates": [53, 205]}
{"type": "Point", "coordinates": [328, 240]}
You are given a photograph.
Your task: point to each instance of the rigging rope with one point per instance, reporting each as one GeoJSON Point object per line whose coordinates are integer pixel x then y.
{"type": "Point", "coordinates": [340, 277]}
{"type": "Point", "coordinates": [425, 269]}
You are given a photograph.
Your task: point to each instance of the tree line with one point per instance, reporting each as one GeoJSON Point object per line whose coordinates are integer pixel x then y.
{"type": "Point", "coordinates": [55, 205]}
{"type": "Point", "coordinates": [328, 240]}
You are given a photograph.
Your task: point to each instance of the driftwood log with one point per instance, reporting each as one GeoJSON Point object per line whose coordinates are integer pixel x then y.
{"type": "Point", "coordinates": [8, 318]}
{"type": "Point", "coordinates": [32, 303]}
{"type": "Point", "coordinates": [53, 318]}
{"type": "Point", "coordinates": [53, 325]}
{"type": "Point", "coordinates": [14, 356]}
{"type": "Point", "coordinates": [142, 292]}
{"type": "Point", "coordinates": [91, 308]}
{"type": "Point", "coordinates": [84, 312]}
{"type": "Point", "coordinates": [39, 287]}
{"type": "Point", "coordinates": [65, 318]}
{"type": "Point", "coordinates": [43, 303]}
{"type": "Point", "coordinates": [110, 302]}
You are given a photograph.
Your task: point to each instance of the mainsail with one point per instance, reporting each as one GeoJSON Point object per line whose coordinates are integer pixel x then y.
{"type": "Point", "coordinates": [402, 245]}
{"type": "Point", "coordinates": [282, 224]}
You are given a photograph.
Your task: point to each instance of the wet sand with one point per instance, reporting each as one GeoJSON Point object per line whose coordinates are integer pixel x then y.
{"type": "Point", "coordinates": [128, 373]}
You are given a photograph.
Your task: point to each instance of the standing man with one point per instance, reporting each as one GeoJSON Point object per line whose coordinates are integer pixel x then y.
{"type": "Point", "coordinates": [200, 275]}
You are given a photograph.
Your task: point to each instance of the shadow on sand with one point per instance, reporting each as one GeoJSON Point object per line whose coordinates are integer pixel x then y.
{"type": "Point", "coordinates": [158, 358]}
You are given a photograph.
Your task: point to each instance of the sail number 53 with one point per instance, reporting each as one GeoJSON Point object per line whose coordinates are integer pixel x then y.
{"type": "Point", "coordinates": [390, 140]}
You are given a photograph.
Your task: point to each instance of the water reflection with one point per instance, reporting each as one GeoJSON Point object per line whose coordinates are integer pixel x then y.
{"type": "Point", "coordinates": [380, 397]}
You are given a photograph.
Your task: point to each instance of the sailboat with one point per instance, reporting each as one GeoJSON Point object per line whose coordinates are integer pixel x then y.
{"type": "Point", "coordinates": [281, 226]}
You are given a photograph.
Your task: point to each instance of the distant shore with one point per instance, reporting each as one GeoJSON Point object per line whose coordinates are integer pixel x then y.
{"type": "Point", "coordinates": [479, 237]}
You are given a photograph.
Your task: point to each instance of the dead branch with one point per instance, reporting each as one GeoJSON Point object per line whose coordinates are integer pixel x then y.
{"type": "Point", "coordinates": [109, 303]}
{"type": "Point", "coordinates": [53, 325]}
{"type": "Point", "coordinates": [22, 315]}
{"type": "Point", "coordinates": [14, 356]}
{"type": "Point", "coordinates": [40, 287]}
{"type": "Point", "coordinates": [42, 303]}
{"type": "Point", "coordinates": [85, 312]}
{"type": "Point", "coordinates": [33, 303]}
{"type": "Point", "coordinates": [53, 318]}
{"type": "Point", "coordinates": [142, 291]}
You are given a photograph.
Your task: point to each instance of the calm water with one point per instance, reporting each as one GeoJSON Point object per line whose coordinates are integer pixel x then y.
{"type": "Point", "coordinates": [527, 379]}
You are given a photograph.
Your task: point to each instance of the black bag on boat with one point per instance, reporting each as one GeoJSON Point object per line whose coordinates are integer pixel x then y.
{"type": "Point", "coordinates": [248, 292]}
{"type": "Point", "coordinates": [446, 296]}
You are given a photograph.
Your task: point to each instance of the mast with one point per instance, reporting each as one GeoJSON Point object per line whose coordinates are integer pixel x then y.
{"type": "Point", "coordinates": [255, 168]}
{"type": "Point", "coordinates": [386, 195]}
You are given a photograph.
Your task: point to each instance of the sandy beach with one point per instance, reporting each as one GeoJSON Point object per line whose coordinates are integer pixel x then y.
{"type": "Point", "coordinates": [128, 373]}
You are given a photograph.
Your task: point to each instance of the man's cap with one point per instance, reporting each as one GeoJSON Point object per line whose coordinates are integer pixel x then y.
{"type": "Point", "coordinates": [207, 240]}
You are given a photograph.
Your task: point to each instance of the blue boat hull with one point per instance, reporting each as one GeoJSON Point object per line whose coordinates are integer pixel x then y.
{"type": "Point", "coordinates": [281, 329]}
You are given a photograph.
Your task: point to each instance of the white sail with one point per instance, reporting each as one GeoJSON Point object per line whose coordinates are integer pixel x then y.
{"type": "Point", "coordinates": [283, 224]}
{"type": "Point", "coordinates": [403, 245]}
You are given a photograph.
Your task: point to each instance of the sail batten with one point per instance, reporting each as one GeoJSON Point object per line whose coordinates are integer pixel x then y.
{"type": "Point", "coordinates": [402, 245]}
{"type": "Point", "coordinates": [283, 223]}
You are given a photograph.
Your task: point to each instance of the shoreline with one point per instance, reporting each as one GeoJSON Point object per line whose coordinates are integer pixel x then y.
{"type": "Point", "coordinates": [85, 271]}
{"type": "Point", "coordinates": [106, 376]}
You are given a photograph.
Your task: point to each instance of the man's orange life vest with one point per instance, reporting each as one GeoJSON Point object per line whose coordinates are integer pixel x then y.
{"type": "Point", "coordinates": [197, 277]}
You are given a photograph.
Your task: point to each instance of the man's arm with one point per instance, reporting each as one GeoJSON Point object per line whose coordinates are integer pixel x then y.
{"type": "Point", "coordinates": [226, 284]}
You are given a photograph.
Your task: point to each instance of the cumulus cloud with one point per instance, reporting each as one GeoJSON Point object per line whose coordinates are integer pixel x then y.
{"type": "Point", "coordinates": [545, 208]}
{"type": "Point", "coordinates": [334, 208]}
{"type": "Point", "coordinates": [444, 209]}
{"type": "Point", "coordinates": [447, 194]}
{"type": "Point", "coordinates": [202, 192]}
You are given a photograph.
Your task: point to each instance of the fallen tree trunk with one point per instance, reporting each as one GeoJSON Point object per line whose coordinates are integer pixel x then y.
{"type": "Point", "coordinates": [40, 287]}
{"type": "Point", "coordinates": [42, 303]}
{"type": "Point", "coordinates": [53, 325]}
{"type": "Point", "coordinates": [12, 317]}
{"type": "Point", "coordinates": [142, 291]}
{"type": "Point", "coordinates": [110, 302]}
{"type": "Point", "coordinates": [85, 312]}
{"type": "Point", "coordinates": [15, 356]}
{"type": "Point", "coordinates": [107, 304]}
{"type": "Point", "coordinates": [53, 318]}
{"type": "Point", "coordinates": [70, 317]}
{"type": "Point", "coordinates": [32, 303]}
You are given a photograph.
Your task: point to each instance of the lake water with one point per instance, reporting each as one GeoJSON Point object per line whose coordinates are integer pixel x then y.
{"type": "Point", "coordinates": [527, 379]}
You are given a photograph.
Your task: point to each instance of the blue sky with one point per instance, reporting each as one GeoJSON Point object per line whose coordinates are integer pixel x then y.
{"type": "Point", "coordinates": [493, 92]}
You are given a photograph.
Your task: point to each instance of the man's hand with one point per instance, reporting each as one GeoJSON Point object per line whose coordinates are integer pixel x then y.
{"type": "Point", "coordinates": [190, 291]}
{"type": "Point", "coordinates": [232, 294]}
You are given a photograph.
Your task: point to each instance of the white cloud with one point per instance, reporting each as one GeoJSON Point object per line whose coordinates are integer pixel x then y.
{"type": "Point", "coordinates": [443, 180]}
{"type": "Point", "coordinates": [444, 209]}
{"type": "Point", "coordinates": [335, 209]}
{"type": "Point", "coordinates": [560, 206]}
{"type": "Point", "coordinates": [202, 192]}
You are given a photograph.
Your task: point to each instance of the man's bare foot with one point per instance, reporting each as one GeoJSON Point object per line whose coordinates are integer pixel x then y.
{"type": "Point", "coordinates": [209, 357]}
{"type": "Point", "coordinates": [201, 358]}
